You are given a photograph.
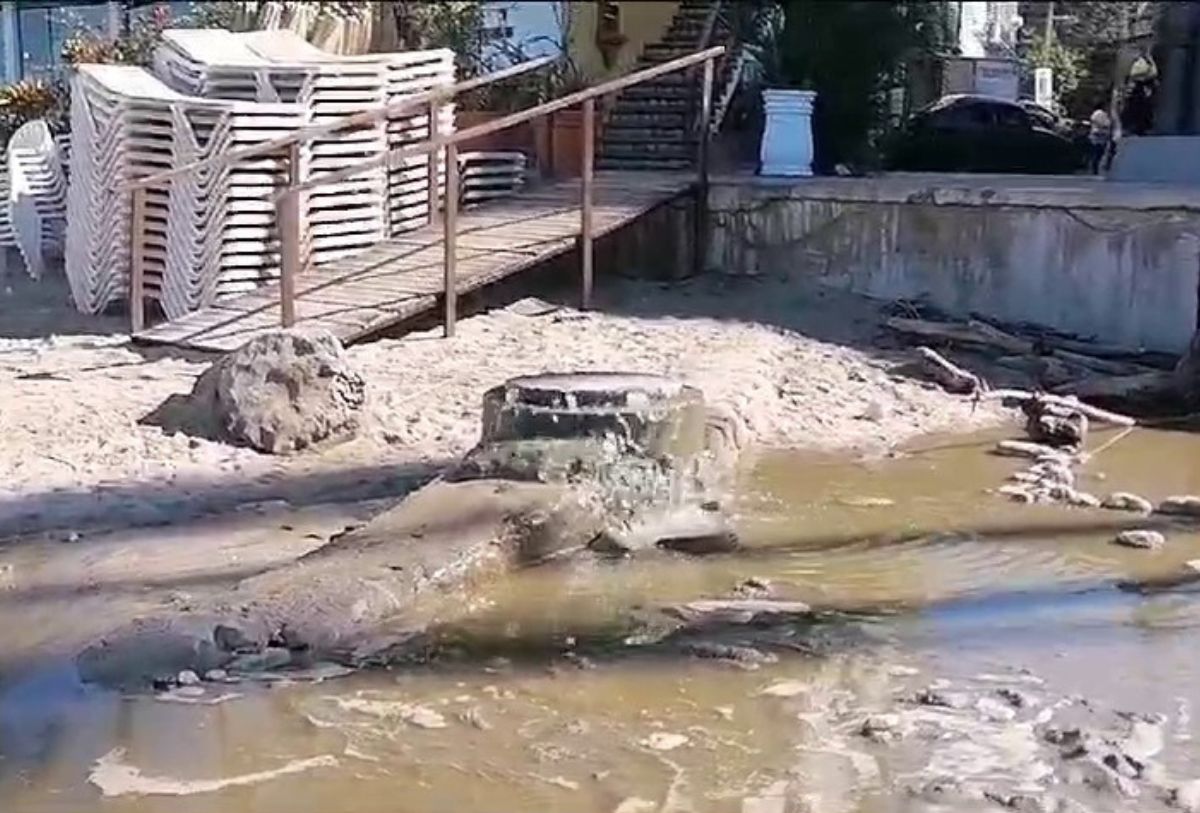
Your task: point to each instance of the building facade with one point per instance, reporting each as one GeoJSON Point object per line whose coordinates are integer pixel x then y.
{"type": "Point", "coordinates": [32, 32]}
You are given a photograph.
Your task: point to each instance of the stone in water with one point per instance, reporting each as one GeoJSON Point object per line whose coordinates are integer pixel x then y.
{"type": "Point", "coordinates": [786, 688]}
{"type": "Point", "coordinates": [664, 741]}
{"type": "Point", "coordinates": [1186, 506]}
{"type": "Point", "coordinates": [1146, 540]}
{"type": "Point", "coordinates": [1124, 501]}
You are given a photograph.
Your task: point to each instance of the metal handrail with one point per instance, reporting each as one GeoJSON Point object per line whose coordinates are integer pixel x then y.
{"type": "Point", "coordinates": [511, 120]}
{"type": "Point", "coordinates": [305, 134]}
{"type": "Point", "coordinates": [288, 203]}
{"type": "Point", "coordinates": [290, 143]}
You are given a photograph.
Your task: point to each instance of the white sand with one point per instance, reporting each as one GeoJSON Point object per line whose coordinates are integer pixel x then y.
{"type": "Point", "coordinates": [797, 364]}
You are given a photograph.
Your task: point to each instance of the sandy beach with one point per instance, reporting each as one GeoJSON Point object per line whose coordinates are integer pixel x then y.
{"type": "Point", "coordinates": [800, 364]}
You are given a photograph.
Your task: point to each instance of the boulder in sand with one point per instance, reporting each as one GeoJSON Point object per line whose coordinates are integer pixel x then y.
{"type": "Point", "coordinates": [280, 393]}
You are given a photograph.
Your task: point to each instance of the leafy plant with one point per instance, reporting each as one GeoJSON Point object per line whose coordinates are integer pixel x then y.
{"type": "Point", "coordinates": [759, 27]}
{"type": "Point", "coordinates": [136, 47]}
{"type": "Point", "coordinates": [1069, 64]}
{"type": "Point", "coordinates": [851, 52]}
{"type": "Point", "coordinates": [31, 99]}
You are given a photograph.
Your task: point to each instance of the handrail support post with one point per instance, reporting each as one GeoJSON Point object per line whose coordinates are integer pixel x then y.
{"type": "Point", "coordinates": [432, 162]}
{"type": "Point", "coordinates": [450, 241]}
{"type": "Point", "coordinates": [291, 248]}
{"type": "Point", "coordinates": [586, 184]}
{"type": "Point", "coordinates": [700, 220]}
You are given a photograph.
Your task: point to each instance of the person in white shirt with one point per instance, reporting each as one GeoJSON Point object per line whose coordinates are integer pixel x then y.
{"type": "Point", "coordinates": [1099, 138]}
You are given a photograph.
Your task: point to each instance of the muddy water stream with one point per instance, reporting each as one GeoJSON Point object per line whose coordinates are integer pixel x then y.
{"type": "Point", "coordinates": [543, 699]}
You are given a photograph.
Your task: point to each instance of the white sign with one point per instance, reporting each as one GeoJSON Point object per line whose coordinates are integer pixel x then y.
{"type": "Point", "coordinates": [1043, 86]}
{"type": "Point", "coordinates": [997, 78]}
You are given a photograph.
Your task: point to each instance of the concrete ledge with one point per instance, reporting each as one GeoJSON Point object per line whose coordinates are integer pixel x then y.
{"type": "Point", "coordinates": [1118, 262]}
{"type": "Point", "coordinates": [1038, 191]}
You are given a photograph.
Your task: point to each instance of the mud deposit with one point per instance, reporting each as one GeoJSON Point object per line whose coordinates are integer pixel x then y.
{"type": "Point", "coordinates": [968, 653]}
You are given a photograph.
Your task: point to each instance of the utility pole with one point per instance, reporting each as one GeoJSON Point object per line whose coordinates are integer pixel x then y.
{"type": "Point", "coordinates": [1048, 36]}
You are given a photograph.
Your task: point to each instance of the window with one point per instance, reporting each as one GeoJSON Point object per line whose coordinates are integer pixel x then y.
{"type": "Point", "coordinates": [962, 115]}
{"type": "Point", "coordinates": [1011, 118]}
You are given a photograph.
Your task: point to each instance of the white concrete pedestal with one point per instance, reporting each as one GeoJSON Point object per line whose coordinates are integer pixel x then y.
{"type": "Point", "coordinates": [787, 142]}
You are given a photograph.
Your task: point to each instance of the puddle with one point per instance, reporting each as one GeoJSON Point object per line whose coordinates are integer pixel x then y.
{"type": "Point", "coordinates": [539, 702]}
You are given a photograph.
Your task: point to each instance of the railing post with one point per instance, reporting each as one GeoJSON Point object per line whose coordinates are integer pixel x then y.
{"type": "Point", "coordinates": [137, 261]}
{"type": "Point", "coordinates": [700, 221]}
{"type": "Point", "coordinates": [586, 174]}
{"type": "Point", "coordinates": [449, 241]}
{"type": "Point", "coordinates": [291, 249]}
{"type": "Point", "coordinates": [433, 161]}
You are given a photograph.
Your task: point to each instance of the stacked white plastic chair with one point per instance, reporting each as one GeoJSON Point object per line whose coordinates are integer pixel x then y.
{"type": "Point", "coordinates": [33, 196]}
{"type": "Point", "coordinates": [343, 218]}
{"type": "Point", "coordinates": [489, 175]}
{"type": "Point", "coordinates": [269, 65]}
{"type": "Point", "coordinates": [212, 232]}
{"type": "Point", "coordinates": [205, 234]}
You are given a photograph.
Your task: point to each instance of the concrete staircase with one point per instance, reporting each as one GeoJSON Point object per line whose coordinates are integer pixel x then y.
{"type": "Point", "coordinates": [652, 126]}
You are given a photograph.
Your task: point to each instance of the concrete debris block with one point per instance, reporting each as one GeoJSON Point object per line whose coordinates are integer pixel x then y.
{"type": "Point", "coordinates": [1053, 473]}
{"type": "Point", "coordinates": [937, 698]}
{"type": "Point", "coordinates": [786, 688]}
{"type": "Point", "coordinates": [1082, 499]}
{"type": "Point", "coordinates": [268, 660]}
{"type": "Point", "coordinates": [1017, 493]}
{"type": "Point", "coordinates": [1185, 506]}
{"type": "Point", "coordinates": [1058, 429]}
{"type": "Point", "coordinates": [280, 393]}
{"type": "Point", "coordinates": [187, 678]}
{"type": "Point", "coordinates": [994, 710]}
{"type": "Point", "coordinates": [664, 741]}
{"type": "Point", "coordinates": [882, 728]}
{"type": "Point", "coordinates": [735, 611]}
{"type": "Point", "coordinates": [1145, 540]}
{"type": "Point", "coordinates": [1186, 796]}
{"type": "Point", "coordinates": [1124, 501]}
{"type": "Point", "coordinates": [1023, 448]}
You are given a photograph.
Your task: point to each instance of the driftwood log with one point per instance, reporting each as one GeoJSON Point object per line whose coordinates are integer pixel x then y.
{"type": "Point", "coordinates": [950, 376]}
{"type": "Point", "coordinates": [1070, 403]}
{"type": "Point", "coordinates": [983, 335]}
{"type": "Point", "coordinates": [972, 333]}
{"type": "Point", "coordinates": [1149, 386]}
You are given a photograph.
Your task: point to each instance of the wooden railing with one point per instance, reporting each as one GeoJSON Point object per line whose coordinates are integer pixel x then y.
{"type": "Point", "coordinates": [289, 145]}
{"type": "Point", "coordinates": [289, 202]}
{"type": "Point", "coordinates": [290, 199]}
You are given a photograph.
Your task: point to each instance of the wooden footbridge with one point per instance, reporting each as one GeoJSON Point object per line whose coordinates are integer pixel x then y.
{"type": "Point", "coordinates": [411, 274]}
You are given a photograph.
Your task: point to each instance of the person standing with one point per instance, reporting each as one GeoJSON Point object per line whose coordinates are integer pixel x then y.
{"type": "Point", "coordinates": [1099, 138]}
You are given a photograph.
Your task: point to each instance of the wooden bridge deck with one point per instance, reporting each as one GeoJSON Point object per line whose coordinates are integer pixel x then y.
{"type": "Point", "coordinates": [402, 277]}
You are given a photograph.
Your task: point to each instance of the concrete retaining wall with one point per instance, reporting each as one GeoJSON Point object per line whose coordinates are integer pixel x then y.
{"type": "Point", "coordinates": [1114, 261]}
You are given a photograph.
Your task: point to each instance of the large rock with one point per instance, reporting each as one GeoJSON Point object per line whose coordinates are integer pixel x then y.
{"type": "Point", "coordinates": [281, 392]}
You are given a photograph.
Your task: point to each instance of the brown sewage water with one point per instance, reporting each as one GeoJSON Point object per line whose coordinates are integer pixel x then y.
{"type": "Point", "coordinates": [543, 701]}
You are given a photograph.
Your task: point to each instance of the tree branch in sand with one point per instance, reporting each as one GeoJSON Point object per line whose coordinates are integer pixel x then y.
{"type": "Point", "coordinates": [950, 376]}
{"type": "Point", "coordinates": [1065, 402]}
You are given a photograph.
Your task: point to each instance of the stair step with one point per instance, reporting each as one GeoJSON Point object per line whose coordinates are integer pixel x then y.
{"type": "Point", "coordinates": [646, 149]}
{"type": "Point", "coordinates": [639, 135]}
{"type": "Point", "coordinates": [651, 107]}
{"type": "Point", "coordinates": [653, 119]}
{"type": "Point", "coordinates": [649, 164]}
{"type": "Point", "coordinates": [656, 92]}
{"type": "Point", "coordinates": [671, 49]}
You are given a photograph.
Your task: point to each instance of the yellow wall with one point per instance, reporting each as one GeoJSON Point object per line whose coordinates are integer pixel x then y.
{"type": "Point", "coordinates": [641, 23]}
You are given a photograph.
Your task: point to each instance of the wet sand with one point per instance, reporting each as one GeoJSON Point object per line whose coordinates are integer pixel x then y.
{"type": "Point", "coordinates": [978, 628]}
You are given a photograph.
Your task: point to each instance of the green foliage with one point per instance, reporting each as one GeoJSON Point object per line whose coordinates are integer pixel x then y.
{"type": "Point", "coordinates": [136, 47]}
{"type": "Point", "coordinates": [1069, 64]}
{"type": "Point", "coordinates": [851, 52]}
{"type": "Point", "coordinates": [30, 99]}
